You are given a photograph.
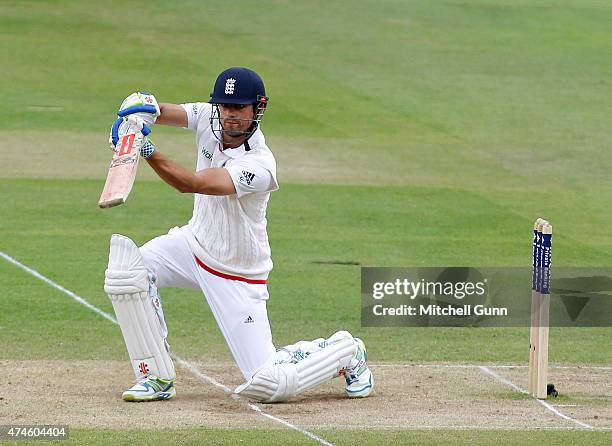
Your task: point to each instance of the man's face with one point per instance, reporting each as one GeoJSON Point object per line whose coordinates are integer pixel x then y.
{"type": "Point", "coordinates": [236, 118]}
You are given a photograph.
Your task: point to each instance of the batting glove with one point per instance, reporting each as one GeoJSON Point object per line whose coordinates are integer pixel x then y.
{"type": "Point", "coordinates": [140, 103]}
{"type": "Point", "coordinates": [136, 124]}
{"type": "Point", "coordinates": [143, 105]}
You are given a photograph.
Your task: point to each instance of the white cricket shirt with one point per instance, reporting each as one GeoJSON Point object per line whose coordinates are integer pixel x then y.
{"type": "Point", "coordinates": [228, 232]}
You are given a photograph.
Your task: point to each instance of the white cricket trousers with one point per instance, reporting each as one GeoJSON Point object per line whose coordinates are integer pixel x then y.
{"type": "Point", "coordinates": [239, 307]}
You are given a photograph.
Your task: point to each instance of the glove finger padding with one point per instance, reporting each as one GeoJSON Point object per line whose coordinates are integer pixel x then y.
{"type": "Point", "coordinates": [123, 126]}
{"type": "Point", "coordinates": [139, 104]}
{"type": "Point", "coordinates": [136, 124]}
{"type": "Point", "coordinates": [142, 104]}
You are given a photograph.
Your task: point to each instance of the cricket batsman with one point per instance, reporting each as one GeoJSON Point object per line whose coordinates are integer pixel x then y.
{"type": "Point", "coordinates": [223, 250]}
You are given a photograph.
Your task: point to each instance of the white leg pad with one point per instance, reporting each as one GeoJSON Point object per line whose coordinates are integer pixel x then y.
{"type": "Point", "coordinates": [138, 308]}
{"type": "Point", "coordinates": [321, 366]}
{"type": "Point", "coordinates": [279, 382]}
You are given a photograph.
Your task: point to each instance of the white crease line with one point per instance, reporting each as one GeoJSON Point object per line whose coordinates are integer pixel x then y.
{"type": "Point", "coordinates": [507, 382]}
{"type": "Point", "coordinates": [492, 366]}
{"type": "Point", "coordinates": [189, 366]}
{"type": "Point", "coordinates": [549, 406]}
{"type": "Point", "coordinates": [286, 423]}
{"type": "Point", "coordinates": [79, 299]}
{"type": "Point", "coordinates": [193, 369]}
{"type": "Point", "coordinates": [203, 376]}
{"type": "Point", "coordinates": [428, 366]}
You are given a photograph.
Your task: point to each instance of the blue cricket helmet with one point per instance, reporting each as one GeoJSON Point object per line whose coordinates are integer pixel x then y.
{"type": "Point", "coordinates": [238, 85]}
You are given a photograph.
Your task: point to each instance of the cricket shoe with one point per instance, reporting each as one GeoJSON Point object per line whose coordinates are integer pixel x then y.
{"type": "Point", "coordinates": [150, 388]}
{"type": "Point", "coordinates": [359, 378]}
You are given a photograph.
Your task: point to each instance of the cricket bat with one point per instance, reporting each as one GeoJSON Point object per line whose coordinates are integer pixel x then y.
{"type": "Point", "coordinates": [122, 170]}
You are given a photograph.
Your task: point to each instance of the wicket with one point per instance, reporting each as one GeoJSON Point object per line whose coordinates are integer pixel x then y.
{"type": "Point", "coordinates": [540, 305]}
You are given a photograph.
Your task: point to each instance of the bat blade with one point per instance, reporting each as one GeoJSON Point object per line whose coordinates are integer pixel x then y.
{"type": "Point", "coordinates": [122, 171]}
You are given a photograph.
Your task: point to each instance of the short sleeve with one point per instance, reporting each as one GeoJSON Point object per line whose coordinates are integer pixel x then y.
{"type": "Point", "coordinates": [198, 113]}
{"type": "Point", "coordinates": [251, 177]}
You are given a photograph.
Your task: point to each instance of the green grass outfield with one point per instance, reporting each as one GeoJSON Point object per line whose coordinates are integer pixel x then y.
{"type": "Point", "coordinates": [407, 133]}
{"type": "Point", "coordinates": [67, 241]}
